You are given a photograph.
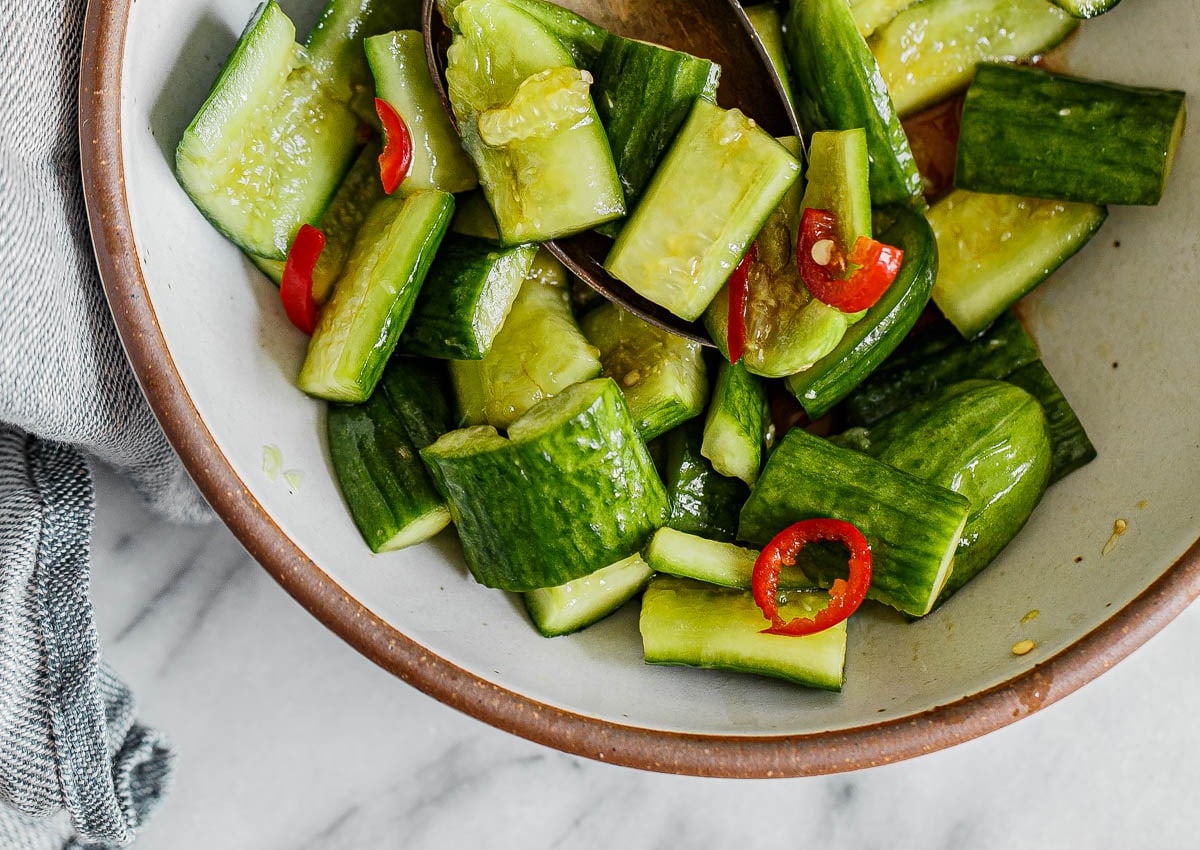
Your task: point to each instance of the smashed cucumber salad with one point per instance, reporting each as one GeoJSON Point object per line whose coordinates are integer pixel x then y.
{"type": "Point", "coordinates": [870, 420]}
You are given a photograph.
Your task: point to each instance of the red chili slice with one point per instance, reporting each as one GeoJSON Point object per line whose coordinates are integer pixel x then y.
{"type": "Point", "coordinates": [396, 160]}
{"type": "Point", "coordinates": [822, 262]}
{"type": "Point", "coordinates": [295, 287]}
{"type": "Point", "coordinates": [735, 336]}
{"type": "Point", "coordinates": [844, 596]}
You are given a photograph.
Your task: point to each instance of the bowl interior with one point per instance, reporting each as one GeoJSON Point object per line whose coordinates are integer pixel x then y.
{"type": "Point", "coordinates": [1116, 328]}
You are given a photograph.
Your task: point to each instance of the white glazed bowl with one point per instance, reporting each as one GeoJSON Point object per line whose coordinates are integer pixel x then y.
{"type": "Point", "coordinates": [217, 360]}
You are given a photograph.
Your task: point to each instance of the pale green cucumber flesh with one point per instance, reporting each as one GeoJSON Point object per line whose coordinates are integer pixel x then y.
{"type": "Point", "coordinates": [538, 353]}
{"type": "Point", "coordinates": [929, 51]}
{"type": "Point", "coordinates": [690, 623]}
{"type": "Point", "coordinates": [736, 423]}
{"type": "Point", "coordinates": [715, 188]}
{"type": "Point", "coordinates": [569, 607]}
{"type": "Point", "coordinates": [361, 324]}
{"type": "Point", "coordinates": [572, 489]}
{"type": "Point", "coordinates": [270, 145]}
{"type": "Point", "coordinates": [913, 527]}
{"type": "Point", "coordinates": [690, 556]}
{"type": "Point", "coordinates": [993, 249]}
{"type": "Point", "coordinates": [662, 375]}
{"type": "Point", "coordinates": [397, 60]}
{"type": "Point", "coordinates": [561, 179]}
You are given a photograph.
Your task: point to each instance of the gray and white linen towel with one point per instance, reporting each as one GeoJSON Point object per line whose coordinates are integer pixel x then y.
{"type": "Point", "coordinates": [76, 767]}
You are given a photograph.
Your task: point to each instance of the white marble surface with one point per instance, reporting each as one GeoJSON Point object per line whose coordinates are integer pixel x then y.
{"type": "Point", "coordinates": [289, 739]}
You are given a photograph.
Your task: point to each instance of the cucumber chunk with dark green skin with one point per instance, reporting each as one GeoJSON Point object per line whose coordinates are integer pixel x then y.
{"type": "Point", "coordinates": [703, 501]}
{"type": "Point", "coordinates": [913, 526]}
{"type": "Point", "coordinates": [361, 324]}
{"type": "Point", "coordinates": [929, 51]}
{"type": "Point", "coordinates": [987, 440]}
{"type": "Point", "coordinates": [867, 343]}
{"type": "Point", "coordinates": [662, 375]}
{"type": "Point", "coordinates": [715, 188]}
{"type": "Point", "coordinates": [528, 122]}
{"type": "Point", "coordinates": [643, 94]}
{"type": "Point", "coordinates": [1071, 447]}
{"type": "Point", "coordinates": [398, 65]}
{"type": "Point", "coordinates": [936, 358]}
{"type": "Point", "coordinates": [270, 145]}
{"type": "Point", "coordinates": [469, 292]}
{"type": "Point", "coordinates": [584, 39]}
{"type": "Point", "coordinates": [736, 423]}
{"type": "Point", "coordinates": [374, 450]}
{"type": "Point", "coordinates": [572, 489]}
{"type": "Point", "coordinates": [994, 249]}
{"type": "Point", "coordinates": [695, 624]}
{"type": "Point", "coordinates": [538, 353]}
{"type": "Point", "coordinates": [579, 603]}
{"type": "Point", "coordinates": [838, 86]}
{"type": "Point", "coordinates": [1027, 131]}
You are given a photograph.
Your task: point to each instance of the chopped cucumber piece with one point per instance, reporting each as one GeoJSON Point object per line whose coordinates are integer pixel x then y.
{"type": "Point", "coordinates": [529, 124]}
{"type": "Point", "coordinates": [913, 526]}
{"type": "Point", "coordinates": [993, 249]}
{"type": "Point", "coordinates": [929, 51]}
{"type": "Point", "coordinates": [839, 87]}
{"type": "Point", "coordinates": [872, 14]}
{"type": "Point", "coordinates": [715, 188]}
{"type": "Point", "coordinates": [469, 292]}
{"type": "Point", "coordinates": [571, 489]}
{"type": "Point", "coordinates": [579, 603]}
{"type": "Point", "coordinates": [402, 78]}
{"type": "Point", "coordinates": [1086, 8]}
{"type": "Point", "coordinates": [662, 374]}
{"type": "Point", "coordinates": [270, 145]}
{"type": "Point", "coordinates": [643, 95]}
{"type": "Point", "coordinates": [703, 501]}
{"type": "Point", "coordinates": [695, 624]}
{"type": "Point", "coordinates": [768, 25]}
{"type": "Point", "coordinates": [736, 423]}
{"type": "Point", "coordinates": [583, 38]}
{"type": "Point", "coordinates": [716, 562]}
{"type": "Point", "coordinates": [373, 447]}
{"type": "Point", "coordinates": [1026, 131]}
{"type": "Point", "coordinates": [839, 180]}
{"type": "Point", "coordinates": [361, 324]}
{"type": "Point", "coordinates": [537, 354]}
{"type": "Point", "coordinates": [987, 440]}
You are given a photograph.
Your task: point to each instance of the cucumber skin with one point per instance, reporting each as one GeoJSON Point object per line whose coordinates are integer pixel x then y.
{"type": "Point", "coordinates": [738, 415]}
{"type": "Point", "coordinates": [1071, 447]}
{"type": "Point", "coordinates": [703, 502]}
{"type": "Point", "coordinates": [470, 289]}
{"type": "Point", "coordinates": [339, 366]}
{"type": "Point", "coordinates": [374, 447]}
{"type": "Point", "coordinates": [870, 341]}
{"type": "Point", "coordinates": [913, 526]}
{"type": "Point", "coordinates": [694, 624]}
{"type": "Point", "coordinates": [1026, 131]}
{"type": "Point", "coordinates": [838, 86]}
{"type": "Point", "coordinates": [931, 361]}
{"type": "Point", "coordinates": [643, 94]}
{"type": "Point", "coordinates": [545, 510]}
{"type": "Point", "coordinates": [988, 440]}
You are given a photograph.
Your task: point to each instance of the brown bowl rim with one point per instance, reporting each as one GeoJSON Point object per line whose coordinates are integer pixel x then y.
{"type": "Point", "coordinates": [649, 749]}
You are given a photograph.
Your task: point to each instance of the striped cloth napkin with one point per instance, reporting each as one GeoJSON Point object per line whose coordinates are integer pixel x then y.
{"type": "Point", "coordinates": [76, 767]}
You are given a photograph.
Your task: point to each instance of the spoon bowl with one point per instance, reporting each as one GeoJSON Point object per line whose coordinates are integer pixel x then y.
{"type": "Point", "coordinates": [718, 30]}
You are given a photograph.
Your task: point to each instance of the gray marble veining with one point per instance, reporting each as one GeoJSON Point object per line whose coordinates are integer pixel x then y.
{"type": "Point", "coordinates": [289, 739]}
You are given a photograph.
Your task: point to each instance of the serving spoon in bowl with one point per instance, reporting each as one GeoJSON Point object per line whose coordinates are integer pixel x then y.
{"type": "Point", "coordinates": [717, 30]}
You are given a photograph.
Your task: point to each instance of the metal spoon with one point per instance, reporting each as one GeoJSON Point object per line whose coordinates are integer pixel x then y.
{"type": "Point", "coordinates": [718, 30]}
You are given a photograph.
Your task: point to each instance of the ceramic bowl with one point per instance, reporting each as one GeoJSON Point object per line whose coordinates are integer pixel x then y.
{"type": "Point", "coordinates": [217, 359]}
